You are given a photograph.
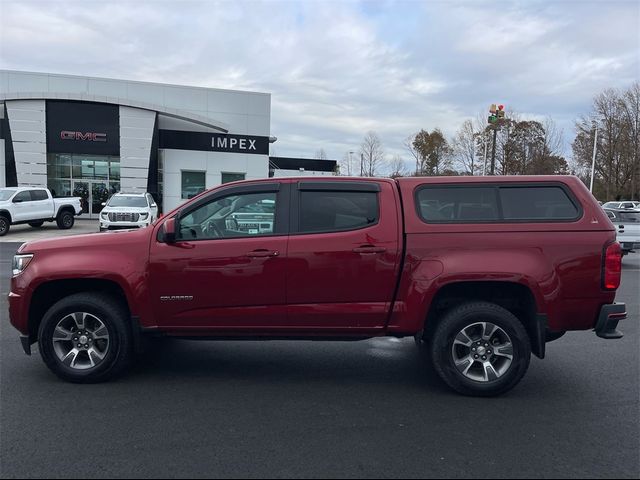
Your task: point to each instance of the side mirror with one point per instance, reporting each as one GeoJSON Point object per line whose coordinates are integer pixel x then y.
{"type": "Point", "coordinates": [17, 200]}
{"type": "Point", "coordinates": [169, 231]}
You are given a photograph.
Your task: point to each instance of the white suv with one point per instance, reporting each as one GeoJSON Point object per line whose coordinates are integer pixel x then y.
{"type": "Point", "coordinates": [128, 210]}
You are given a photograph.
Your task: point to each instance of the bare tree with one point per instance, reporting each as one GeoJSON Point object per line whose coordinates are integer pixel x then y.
{"type": "Point", "coordinates": [408, 144]}
{"type": "Point", "coordinates": [616, 115]}
{"type": "Point", "coordinates": [371, 155]}
{"type": "Point", "coordinates": [398, 167]}
{"type": "Point", "coordinates": [631, 108]}
{"type": "Point", "coordinates": [349, 165]}
{"type": "Point", "coordinates": [464, 147]}
{"type": "Point", "coordinates": [553, 137]}
{"type": "Point", "coordinates": [321, 154]}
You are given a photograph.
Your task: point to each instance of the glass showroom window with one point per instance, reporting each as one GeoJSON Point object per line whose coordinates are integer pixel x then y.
{"type": "Point", "coordinates": [193, 183]}
{"type": "Point", "coordinates": [62, 169]}
{"type": "Point", "coordinates": [232, 177]}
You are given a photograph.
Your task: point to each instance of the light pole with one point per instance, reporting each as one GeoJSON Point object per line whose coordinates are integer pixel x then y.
{"type": "Point", "coordinates": [484, 167]}
{"type": "Point", "coordinates": [350, 163]}
{"type": "Point", "coordinates": [593, 160]}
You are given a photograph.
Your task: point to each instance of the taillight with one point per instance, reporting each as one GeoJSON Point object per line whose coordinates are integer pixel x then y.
{"type": "Point", "coordinates": [612, 266]}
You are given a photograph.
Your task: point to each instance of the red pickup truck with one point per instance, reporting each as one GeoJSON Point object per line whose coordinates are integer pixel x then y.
{"type": "Point", "coordinates": [482, 270]}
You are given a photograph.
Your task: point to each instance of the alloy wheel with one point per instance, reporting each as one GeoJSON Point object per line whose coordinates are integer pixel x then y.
{"type": "Point", "coordinates": [81, 340]}
{"type": "Point", "coordinates": [482, 352]}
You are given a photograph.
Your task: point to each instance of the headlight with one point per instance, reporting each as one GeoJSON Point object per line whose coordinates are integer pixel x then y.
{"type": "Point", "coordinates": [104, 216]}
{"type": "Point", "coordinates": [20, 262]}
{"type": "Point", "coordinates": [143, 216]}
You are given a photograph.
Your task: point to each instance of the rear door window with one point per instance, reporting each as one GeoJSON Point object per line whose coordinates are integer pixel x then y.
{"type": "Point", "coordinates": [38, 195]}
{"type": "Point", "coordinates": [336, 211]}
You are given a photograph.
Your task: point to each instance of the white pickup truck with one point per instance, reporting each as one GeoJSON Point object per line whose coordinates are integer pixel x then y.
{"type": "Point", "coordinates": [35, 205]}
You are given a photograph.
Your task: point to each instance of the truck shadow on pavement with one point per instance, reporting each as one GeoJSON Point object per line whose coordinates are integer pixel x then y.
{"type": "Point", "coordinates": [380, 360]}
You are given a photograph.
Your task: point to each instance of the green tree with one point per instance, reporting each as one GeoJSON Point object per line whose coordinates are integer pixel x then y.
{"type": "Point", "coordinates": [433, 152]}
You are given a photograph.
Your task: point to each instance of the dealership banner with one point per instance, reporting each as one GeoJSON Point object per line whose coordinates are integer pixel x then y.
{"type": "Point", "coordinates": [213, 142]}
{"type": "Point", "coordinates": [83, 127]}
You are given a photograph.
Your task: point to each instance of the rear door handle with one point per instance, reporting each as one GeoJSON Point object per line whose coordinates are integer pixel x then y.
{"type": "Point", "coordinates": [262, 253]}
{"type": "Point", "coordinates": [369, 249]}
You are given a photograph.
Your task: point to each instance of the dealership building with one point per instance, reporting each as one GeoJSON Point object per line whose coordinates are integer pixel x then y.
{"type": "Point", "coordinates": [91, 137]}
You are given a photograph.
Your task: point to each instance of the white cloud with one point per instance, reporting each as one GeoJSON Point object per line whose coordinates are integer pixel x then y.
{"type": "Point", "coordinates": [339, 69]}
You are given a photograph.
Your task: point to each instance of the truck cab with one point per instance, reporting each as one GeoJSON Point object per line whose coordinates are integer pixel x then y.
{"type": "Point", "coordinates": [35, 205]}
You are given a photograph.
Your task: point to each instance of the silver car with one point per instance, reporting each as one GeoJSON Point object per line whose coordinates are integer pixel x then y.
{"type": "Point", "coordinates": [627, 223]}
{"type": "Point", "coordinates": [622, 204]}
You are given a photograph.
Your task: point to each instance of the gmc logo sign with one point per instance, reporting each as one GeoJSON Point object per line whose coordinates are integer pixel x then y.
{"type": "Point", "coordinates": [88, 136]}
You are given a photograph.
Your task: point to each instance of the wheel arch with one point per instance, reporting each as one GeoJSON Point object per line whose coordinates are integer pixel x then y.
{"type": "Point", "coordinates": [47, 294]}
{"type": "Point", "coordinates": [6, 213]}
{"type": "Point", "coordinates": [64, 208]}
{"type": "Point", "coordinates": [515, 297]}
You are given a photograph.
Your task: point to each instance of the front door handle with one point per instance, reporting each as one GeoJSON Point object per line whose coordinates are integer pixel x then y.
{"type": "Point", "coordinates": [263, 253]}
{"type": "Point", "coordinates": [369, 249]}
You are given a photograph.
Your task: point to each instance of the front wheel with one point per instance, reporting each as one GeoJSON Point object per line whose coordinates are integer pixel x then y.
{"type": "Point", "coordinates": [480, 349]}
{"type": "Point", "coordinates": [65, 220]}
{"type": "Point", "coordinates": [84, 338]}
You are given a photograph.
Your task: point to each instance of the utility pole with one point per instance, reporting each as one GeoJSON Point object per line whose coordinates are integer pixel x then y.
{"type": "Point", "coordinates": [493, 151]}
{"type": "Point", "coordinates": [593, 160]}
{"type": "Point", "coordinates": [484, 166]}
{"type": "Point", "coordinates": [349, 173]}
{"type": "Point", "coordinates": [362, 164]}
{"type": "Point", "coordinates": [495, 115]}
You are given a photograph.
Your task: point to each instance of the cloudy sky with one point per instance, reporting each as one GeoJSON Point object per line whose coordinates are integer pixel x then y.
{"type": "Point", "coordinates": [339, 69]}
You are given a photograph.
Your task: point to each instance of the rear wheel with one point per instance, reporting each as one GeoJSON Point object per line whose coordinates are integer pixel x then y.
{"type": "Point", "coordinates": [65, 220]}
{"type": "Point", "coordinates": [480, 349]}
{"type": "Point", "coordinates": [37, 224]}
{"type": "Point", "coordinates": [85, 338]}
{"type": "Point", "coordinates": [5, 225]}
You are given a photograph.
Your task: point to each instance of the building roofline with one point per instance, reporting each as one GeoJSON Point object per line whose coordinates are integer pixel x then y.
{"type": "Point", "coordinates": [160, 84]}
{"type": "Point", "coordinates": [84, 97]}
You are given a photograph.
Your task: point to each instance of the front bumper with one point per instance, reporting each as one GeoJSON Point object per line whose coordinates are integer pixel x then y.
{"type": "Point", "coordinates": [122, 225]}
{"type": "Point", "coordinates": [608, 320]}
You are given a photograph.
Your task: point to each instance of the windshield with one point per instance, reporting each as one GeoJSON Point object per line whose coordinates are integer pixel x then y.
{"type": "Point", "coordinates": [6, 193]}
{"type": "Point", "coordinates": [127, 201]}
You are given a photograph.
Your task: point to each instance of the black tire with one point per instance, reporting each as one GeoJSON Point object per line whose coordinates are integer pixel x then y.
{"type": "Point", "coordinates": [114, 317]}
{"type": "Point", "coordinates": [5, 225]}
{"type": "Point", "coordinates": [459, 318]}
{"type": "Point", "coordinates": [37, 224]}
{"type": "Point", "coordinates": [65, 220]}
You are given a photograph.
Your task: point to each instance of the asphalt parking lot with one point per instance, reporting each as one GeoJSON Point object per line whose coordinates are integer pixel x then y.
{"type": "Point", "coordinates": [304, 409]}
